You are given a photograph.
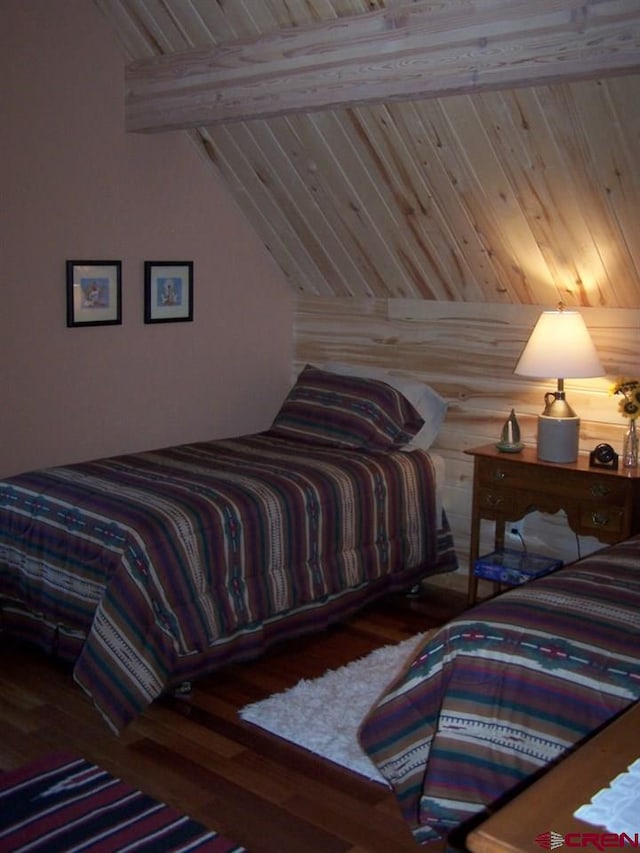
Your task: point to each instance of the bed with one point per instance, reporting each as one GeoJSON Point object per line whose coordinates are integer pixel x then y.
{"type": "Point", "coordinates": [508, 687]}
{"type": "Point", "coordinates": [152, 569]}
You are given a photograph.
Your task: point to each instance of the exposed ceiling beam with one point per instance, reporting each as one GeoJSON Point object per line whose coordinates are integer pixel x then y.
{"type": "Point", "coordinates": [407, 51]}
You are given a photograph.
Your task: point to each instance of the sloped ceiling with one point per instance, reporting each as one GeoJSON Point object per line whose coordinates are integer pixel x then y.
{"type": "Point", "coordinates": [529, 194]}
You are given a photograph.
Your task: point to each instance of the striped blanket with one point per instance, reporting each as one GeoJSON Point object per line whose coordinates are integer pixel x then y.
{"type": "Point", "coordinates": [507, 688]}
{"type": "Point", "coordinates": [154, 568]}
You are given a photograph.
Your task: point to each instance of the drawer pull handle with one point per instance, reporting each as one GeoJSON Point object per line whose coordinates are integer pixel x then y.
{"type": "Point", "coordinates": [498, 475]}
{"type": "Point", "coordinates": [494, 500]}
{"type": "Point", "coordinates": [600, 520]}
{"type": "Point", "coordinates": [599, 490]}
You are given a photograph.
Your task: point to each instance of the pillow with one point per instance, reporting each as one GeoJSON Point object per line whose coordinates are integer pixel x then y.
{"type": "Point", "coordinates": [427, 402]}
{"type": "Point", "coordinates": [346, 411]}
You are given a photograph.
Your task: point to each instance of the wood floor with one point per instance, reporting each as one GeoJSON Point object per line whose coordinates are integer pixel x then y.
{"type": "Point", "coordinates": [197, 755]}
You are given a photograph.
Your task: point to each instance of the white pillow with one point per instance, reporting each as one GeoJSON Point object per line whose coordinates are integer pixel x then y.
{"type": "Point", "coordinates": [427, 402]}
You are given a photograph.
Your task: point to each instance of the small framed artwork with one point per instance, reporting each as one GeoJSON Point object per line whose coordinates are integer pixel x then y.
{"type": "Point", "coordinates": [168, 291]}
{"type": "Point", "coordinates": [94, 293]}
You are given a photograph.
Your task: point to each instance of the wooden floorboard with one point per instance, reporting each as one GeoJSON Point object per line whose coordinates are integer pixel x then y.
{"type": "Point", "coordinates": [198, 755]}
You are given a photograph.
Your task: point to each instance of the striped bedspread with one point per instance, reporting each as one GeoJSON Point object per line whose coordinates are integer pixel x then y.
{"type": "Point", "coordinates": [156, 567]}
{"type": "Point", "coordinates": [507, 688]}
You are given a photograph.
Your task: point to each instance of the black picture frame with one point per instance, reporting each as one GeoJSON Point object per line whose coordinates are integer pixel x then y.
{"type": "Point", "coordinates": [94, 293]}
{"type": "Point", "coordinates": [168, 291]}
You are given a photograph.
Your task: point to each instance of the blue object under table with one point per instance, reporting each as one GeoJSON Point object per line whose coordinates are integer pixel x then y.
{"type": "Point", "coordinates": [512, 567]}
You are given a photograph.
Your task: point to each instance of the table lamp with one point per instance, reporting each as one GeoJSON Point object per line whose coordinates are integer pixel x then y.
{"type": "Point", "coordinates": [559, 346]}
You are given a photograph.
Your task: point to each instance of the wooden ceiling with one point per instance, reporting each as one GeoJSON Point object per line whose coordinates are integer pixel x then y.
{"type": "Point", "coordinates": [454, 150]}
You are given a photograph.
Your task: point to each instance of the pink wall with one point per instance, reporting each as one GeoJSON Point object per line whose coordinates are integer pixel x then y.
{"type": "Point", "coordinates": [76, 186]}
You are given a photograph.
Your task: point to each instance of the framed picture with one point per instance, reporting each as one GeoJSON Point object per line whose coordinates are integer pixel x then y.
{"type": "Point", "coordinates": [168, 291]}
{"type": "Point", "coordinates": [94, 293]}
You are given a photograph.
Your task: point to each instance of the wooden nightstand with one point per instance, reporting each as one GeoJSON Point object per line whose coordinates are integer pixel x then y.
{"type": "Point", "coordinates": [506, 486]}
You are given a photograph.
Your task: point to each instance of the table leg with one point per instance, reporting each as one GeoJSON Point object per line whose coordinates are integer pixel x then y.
{"type": "Point", "coordinates": [474, 544]}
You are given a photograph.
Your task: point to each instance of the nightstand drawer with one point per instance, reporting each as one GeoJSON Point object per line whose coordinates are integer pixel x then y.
{"type": "Point", "coordinates": [578, 485]}
{"type": "Point", "coordinates": [503, 501]}
{"type": "Point", "coordinates": [602, 519]}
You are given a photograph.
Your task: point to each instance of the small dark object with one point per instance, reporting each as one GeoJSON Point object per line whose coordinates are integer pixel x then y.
{"type": "Point", "coordinates": [603, 456]}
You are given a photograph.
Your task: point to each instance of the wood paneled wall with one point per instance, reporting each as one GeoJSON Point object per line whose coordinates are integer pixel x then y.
{"type": "Point", "coordinates": [467, 352]}
{"type": "Point", "coordinates": [526, 195]}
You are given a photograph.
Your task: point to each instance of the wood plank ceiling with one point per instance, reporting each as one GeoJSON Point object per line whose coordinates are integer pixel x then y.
{"type": "Point", "coordinates": [524, 195]}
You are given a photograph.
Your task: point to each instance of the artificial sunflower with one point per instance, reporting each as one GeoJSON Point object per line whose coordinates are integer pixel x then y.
{"type": "Point", "coordinates": [629, 405]}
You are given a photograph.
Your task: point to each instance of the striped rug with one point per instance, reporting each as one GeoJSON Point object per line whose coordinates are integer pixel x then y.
{"type": "Point", "coordinates": [64, 803]}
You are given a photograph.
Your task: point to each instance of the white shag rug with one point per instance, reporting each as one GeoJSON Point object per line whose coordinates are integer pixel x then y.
{"type": "Point", "coordinates": [323, 714]}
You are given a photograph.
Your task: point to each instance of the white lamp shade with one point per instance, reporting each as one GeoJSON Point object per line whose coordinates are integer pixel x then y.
{"type": "Point", "coordinates": [559, 347]}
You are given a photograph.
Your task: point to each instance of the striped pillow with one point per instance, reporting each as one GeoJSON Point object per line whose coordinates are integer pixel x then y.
{"type": "Point", "coordinates": [346, 411]}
